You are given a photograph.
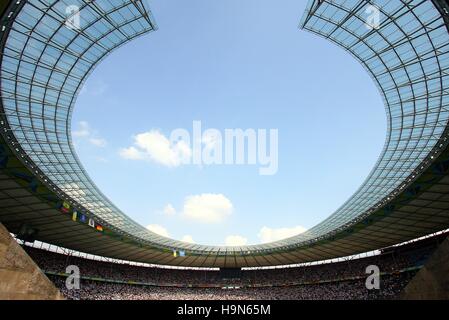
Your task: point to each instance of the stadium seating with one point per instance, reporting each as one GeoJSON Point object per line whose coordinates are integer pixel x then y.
{"type": "Point", "coordinates": [340, 280]}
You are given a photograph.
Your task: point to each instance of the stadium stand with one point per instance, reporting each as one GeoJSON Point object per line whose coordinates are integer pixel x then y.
{"type": "Point", "coordinates": [341, 280]}
{"type": "Point", "coordinates": [341, 290]}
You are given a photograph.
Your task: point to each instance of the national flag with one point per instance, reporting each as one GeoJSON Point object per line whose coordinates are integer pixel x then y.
{"type": "Point", "coordinates": [99, 228]}
{"type": "Point", "coordinates": [92, 223]}
{"type": "Point", "coordinates": [182, 253]}
{"type": "Point", "coordinates": [65, 208]}
{"type": "Point", "coordinates": [83, 218]}
{"type": "Point", "coordinates": [74, 215]}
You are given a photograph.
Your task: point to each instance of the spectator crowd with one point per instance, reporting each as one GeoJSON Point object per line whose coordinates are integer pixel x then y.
{"type": "Point", "coordinates": [391, 286]}
{"type": "Point", "coordinates": [341, 280]}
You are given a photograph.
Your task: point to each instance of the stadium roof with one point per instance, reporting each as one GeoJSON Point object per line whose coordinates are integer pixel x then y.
{"type": "Point", "coordinates": [45, 62]}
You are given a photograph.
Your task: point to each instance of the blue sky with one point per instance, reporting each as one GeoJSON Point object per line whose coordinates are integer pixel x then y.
{"type": "Point", "coordinates": [230, 64]}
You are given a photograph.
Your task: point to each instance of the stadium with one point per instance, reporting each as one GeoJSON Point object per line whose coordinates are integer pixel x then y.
{"type": "Point", "coordinates": [54, 216]}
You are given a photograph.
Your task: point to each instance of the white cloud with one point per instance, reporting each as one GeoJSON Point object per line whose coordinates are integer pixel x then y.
{"type": "Point", "coordinates": [169, 210]}
{"type": "Point", "coordinates": [235, 241]}
{"type": "Point", "coordinates": [160, 230]}
{"type": "Point", "coordinates": [207, 208]}
{"type": "Point", "coordinates": [154, 146]}
{"type": "Point", "coordinates": [85, 132]}
{"type": "Point", "coordinates": [132, 153]}
{"type": "Point", "coordinates": [98, 142]}
{"type": "Point", "coordinates": [188, 239]}
{"type": "Point", "coordinates": [267, 234]}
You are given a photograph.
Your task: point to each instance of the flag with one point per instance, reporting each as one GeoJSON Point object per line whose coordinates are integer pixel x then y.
{"type": "Point", "coordinates": [74, 215]}
{"type": "Point", "coordinates": [92, 223]}
{"type": "Point", "coordinates": [83, 218]}
{"type": "Point", "coordinates": [65, 208]}
{"type": "Point", "coordinates": [175, 253]}
{"type": "Point", "coordinates": [99, 228]}
{"type": "Point", "coordinates": [182, 253]}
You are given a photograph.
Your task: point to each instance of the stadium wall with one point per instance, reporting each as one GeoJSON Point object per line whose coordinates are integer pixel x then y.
{"type": "Point", "coordinates": [432, 281]}
{"type": "Point", "coordinates": [20, 277]}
